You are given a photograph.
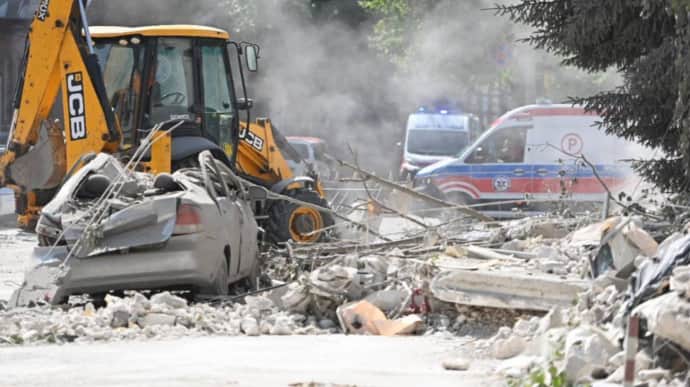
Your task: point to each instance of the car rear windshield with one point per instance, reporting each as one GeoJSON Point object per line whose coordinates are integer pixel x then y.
{"type": "Point", "coordinates": [436, 143]}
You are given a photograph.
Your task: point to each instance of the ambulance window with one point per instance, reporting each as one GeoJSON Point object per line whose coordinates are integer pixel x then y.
{"type": "Point", "coordinates": [505, 146]}
{"type": "Point", "coordinates": [475, 128]}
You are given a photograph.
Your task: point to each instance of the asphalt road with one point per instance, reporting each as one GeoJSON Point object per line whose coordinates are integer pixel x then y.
{"type": "Point", "coordinates": [243, 361]}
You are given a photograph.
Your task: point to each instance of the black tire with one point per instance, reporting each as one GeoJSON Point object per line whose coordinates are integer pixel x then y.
{"type": "Point", "coordinates": [459, 198]}
{"type": "Point", "coordinates": [254, 279]}
{"type": "Point", "coordinates": [281, 212]}
{"type": "Point", "coordinates": [220, 285]}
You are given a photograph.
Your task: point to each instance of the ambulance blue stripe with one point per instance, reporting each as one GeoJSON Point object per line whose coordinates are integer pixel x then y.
{"type": "Point", "coordinates": [530, 171]}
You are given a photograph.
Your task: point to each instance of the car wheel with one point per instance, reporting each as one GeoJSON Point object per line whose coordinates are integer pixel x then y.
{"type": "Point", "coordinates": [459, 198]}
{"type": "Point", "coordinates": [297, 222]}
{"type": "Point", "coordinates": [220, 283]}
{"type": "Point", "coordinates": [254, 279]}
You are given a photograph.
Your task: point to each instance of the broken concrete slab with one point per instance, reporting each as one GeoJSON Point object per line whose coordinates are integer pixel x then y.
{"type": "Point", "coordinates": [169, 300]}
{"type": "Point", "coordinates": [536, 227]}
{"type": "Point", "coordinates": [586, 349]}
{"type": "Point", "coordinates": [553, 319]}
{"type": "Point", "coordinates": [668, 317]}
{"type": "Point", "coordinates": [502, 289]}
{"type": "Point", "coordinates": [282, 326]}
{"type": "Point", "coordinates": [654, 374]}
{"type": "Point", "coordinates": [250, 326]}
{"type": "Point", "coordinates": [120, 319]}
{"type": "Point", "coordinates": [457, 364]}
{"type": "Point", "coordinates": [509, 347]}
{"type": "Point", "coordinates": [388, 300]}
{"type": "Point", "coordinates": [154, 319]}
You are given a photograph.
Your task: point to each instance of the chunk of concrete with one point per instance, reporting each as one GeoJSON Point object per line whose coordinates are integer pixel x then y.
{"type": "Point", "coordinates": [553, 319]}
{"type": "Point", "coordinates": [260, 303]}
{"type": "Point", "coordinates": [617, 375]}
{"type": "Point", "coordinates": [250, 327]}
{"type": "Point", "coordinates": [456, 364]}
{"type": "Point", "coordinates": [296, 298]}
{"type": "Point", "coordinates": [387, 300]}
{"type": "Point", "coordinates": [170, 300]}
{"type": "Point", "coordinates": [510, 347]}
{"type": "Point", "coordinates": [641, 239]}
{"type": "Point", "coordinates": [502, 289]}
{"type": "Point", "coordinates": [120, 319]}
{"type": "Point", "coordinates": [617, 360]}
{"type": "Point", "coordinates": [654, 374]}
{"type": "Point", "coordinates": [282, 326]}
{"type": "Point", "coordinates": [668, 317]}
{"type": "Point", "coordinates": [154, 319]}
{"type": "Point", "coordinates": [586, 349]}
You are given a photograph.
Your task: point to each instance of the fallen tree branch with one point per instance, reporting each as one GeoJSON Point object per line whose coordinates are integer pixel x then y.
{"type": "Point", "coordinates": [609, 194]}
{"type": "Point", "coordinates": [430, 199]}
{"type": "Point", "coordinates": [350, 247]}
{"type": "Point", "coordinates": [380, 203]}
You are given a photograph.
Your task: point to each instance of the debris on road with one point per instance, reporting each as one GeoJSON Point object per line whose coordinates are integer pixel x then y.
{"type": "Point", "coordinates": [547, 295]}
{"type": "Point", "coordinates": [362, 317]}
{"type": "Point", "coordinates": [506, 289]}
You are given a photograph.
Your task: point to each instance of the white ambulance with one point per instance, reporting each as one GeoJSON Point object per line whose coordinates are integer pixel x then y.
{"type": "Point", "coordinates": [435, 135]}
{"type": "Point", "coordinates": [534, 152]}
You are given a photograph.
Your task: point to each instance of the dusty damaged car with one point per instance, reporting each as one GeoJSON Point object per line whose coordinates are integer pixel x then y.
{"type": "Point", "coordinates": [112, 229]}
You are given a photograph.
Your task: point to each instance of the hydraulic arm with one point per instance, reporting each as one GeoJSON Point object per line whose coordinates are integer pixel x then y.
{"type": "Point", "coordinates": [60, 72]}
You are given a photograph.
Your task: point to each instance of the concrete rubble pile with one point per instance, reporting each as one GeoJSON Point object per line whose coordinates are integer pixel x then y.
{"type": "Point", "coordinates": [551, 296]}
{"type": "Point", "coordinates": [164, 315]}
{"type": "Point", "coordinates": [586, 343]}
{"type": "Point", "coordinates": [446, 277]}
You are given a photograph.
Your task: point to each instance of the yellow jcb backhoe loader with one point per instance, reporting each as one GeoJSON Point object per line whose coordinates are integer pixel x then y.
{"type": "Point", "coordinates": [87, 90]}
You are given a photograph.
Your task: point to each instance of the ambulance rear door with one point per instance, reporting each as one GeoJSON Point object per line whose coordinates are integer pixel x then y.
{"type": "Point", "coordinates": [554, 149]}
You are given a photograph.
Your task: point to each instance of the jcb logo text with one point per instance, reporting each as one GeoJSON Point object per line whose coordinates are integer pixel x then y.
{"type": "Point", "coordinates": [75, 106]}
{"type": "Point", "coordinates": [42, 12]}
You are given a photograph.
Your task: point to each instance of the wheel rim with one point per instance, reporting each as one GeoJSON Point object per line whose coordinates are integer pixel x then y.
{"type": "Point", "coordinates": [304, 221]}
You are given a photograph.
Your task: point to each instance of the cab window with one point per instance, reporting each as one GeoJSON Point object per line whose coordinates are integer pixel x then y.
{"type": "Point", "coordinates": [219, 113]}
{"type": "Point", "coordinates": [505, 146]}
{"type": "Point", "coordinates": [172, 91]}
{"type": "Point", "coordinates": [121, 67]}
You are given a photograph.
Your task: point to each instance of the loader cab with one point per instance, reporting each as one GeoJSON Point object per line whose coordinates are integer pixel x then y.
{"type": "Point", "coordinates": [160, 73]}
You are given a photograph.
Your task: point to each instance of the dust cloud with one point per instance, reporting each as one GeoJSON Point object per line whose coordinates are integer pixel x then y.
{"type": "Point", "coordinates": [323, 77]}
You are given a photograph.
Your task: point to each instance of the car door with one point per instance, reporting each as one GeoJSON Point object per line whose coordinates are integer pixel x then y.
{"type": "Point", "coordinates": [230, 218]}
{"type": "Point", "coordinates": [248, 232]}
{"type": "Point", "coordinates": [498, 168]}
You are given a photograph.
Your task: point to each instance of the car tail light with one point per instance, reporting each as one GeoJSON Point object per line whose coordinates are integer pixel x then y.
{"type": "Point", "coordinates": [188, 220]}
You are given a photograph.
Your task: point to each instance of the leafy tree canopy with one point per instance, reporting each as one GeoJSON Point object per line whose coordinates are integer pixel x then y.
{"type": "Point", "coordinates": [647, 42]}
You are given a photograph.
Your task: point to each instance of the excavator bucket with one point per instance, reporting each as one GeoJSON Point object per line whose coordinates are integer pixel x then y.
{"type": "Point", "coordinates": [43, 167]}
